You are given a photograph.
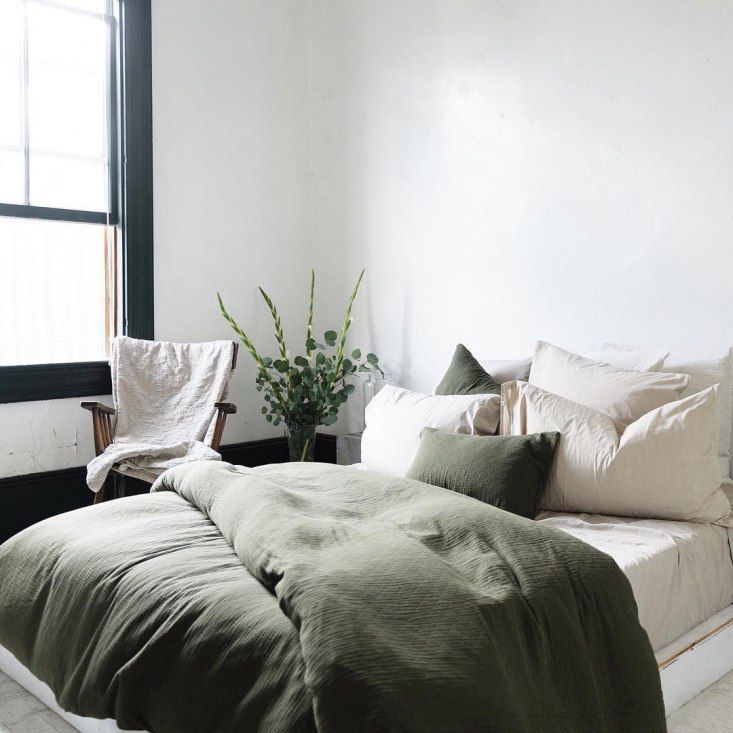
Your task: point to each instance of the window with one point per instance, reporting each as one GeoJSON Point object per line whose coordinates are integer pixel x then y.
{"type": "Point", "coordinates": [75, 191]}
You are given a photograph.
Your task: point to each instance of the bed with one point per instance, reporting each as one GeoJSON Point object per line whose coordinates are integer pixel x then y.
{"type": "Point", "coordinates": [681, 573]}
{"type": "Point", "coordinates": [304, 595]}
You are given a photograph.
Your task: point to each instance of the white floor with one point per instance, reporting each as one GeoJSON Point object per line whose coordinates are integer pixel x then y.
{"type": "Point", "coordinates": [20, 712]}
{"type": "Point", "coordinates": [709, 712]}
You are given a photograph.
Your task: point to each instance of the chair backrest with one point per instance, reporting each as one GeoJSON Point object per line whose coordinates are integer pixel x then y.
{"type": "Point", "coordinates": [165, 392]}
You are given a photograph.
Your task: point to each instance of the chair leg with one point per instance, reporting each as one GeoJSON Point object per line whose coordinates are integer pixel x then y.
{"type": "Point", "coordinates": [120, 489]}
{"type": "Point", "coordinates": [106, 492]}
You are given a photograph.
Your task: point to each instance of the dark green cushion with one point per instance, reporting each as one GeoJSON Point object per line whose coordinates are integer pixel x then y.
{"type": "Point", "coordinates": [508, 471]}
{"type": "Point", "coordinates": [466, 376]}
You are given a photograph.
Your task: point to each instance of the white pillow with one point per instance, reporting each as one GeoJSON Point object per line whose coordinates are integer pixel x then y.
{"type": "Point", "coordinates": [622, 394]}
{"type": "Point", "coordinates": [395, 417]}
{"type": "Point", "coordinates": [663, 466]}
{"type": "Point", "coordinates": [626, 357]}
{"type": "Point", "coordinates": [629, 357]}
{"type": "Point", "coordinates": [507, 370]}
{"type": "Point", "coordinates": [704, 373]}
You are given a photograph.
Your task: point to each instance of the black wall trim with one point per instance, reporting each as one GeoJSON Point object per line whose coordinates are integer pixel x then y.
{"type": "Point", "coordinates": [137, 168]}
{"type": "Point", "coordinates": [25, 500]}
{"type": "Point", "coordinates": [275, 450]}
{"type": "Point", "coordinates": [26, 211]}
{"type": "Point", "coordinates": [53, 381]}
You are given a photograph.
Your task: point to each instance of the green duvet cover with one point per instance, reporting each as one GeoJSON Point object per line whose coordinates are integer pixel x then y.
{"type": "Point", "coordinates": [308, 596]}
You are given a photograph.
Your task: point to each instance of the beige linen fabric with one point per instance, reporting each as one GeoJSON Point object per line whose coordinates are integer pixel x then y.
{"type": "Point", "coordinates": [507, 370]}
{"type": "Point", "coordinates": [622, 394]}
{"type": "Point", "coordinates": [663, 466]}
{"type": "Point", "coordinates": [630, 357]}
{"type": "Point", "coordinates": [704, 373]}
{"type": "Point", "coordinates": [164, 395]}
{"type": "Point", "coordinates": [681, 573]}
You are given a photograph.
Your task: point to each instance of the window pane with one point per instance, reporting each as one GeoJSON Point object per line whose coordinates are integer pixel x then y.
{"type": "Point", "coordinates": [10, 108]}
{"type": "Point", "coordinates": [61, 38]}
{"type": "Point", "coordinates": [11, 177]}
{"type": "Point", "coordinates": [10, 74]}
{"type": "Point", "coordinates": [95, 6]}
{"type": "Point", "coordinates": [67, 82]}
{"type": "Point", "coordinates": [10, 14]}
{"type": "Point", "coordinates": [67, 111]}
{"type": "Point", "coordinates": [52, 292]}
{"type": "Point", "coordinates": [68, 183]}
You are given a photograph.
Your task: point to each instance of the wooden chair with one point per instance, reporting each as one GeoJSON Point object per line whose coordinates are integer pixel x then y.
{"type": "Point", "coordinates": [102, 423]}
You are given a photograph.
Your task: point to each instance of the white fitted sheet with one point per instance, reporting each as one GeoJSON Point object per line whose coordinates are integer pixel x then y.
{"type": "Point", "coordinates": [681, 573]}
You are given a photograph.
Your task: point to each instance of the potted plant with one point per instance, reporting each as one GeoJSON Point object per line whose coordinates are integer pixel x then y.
{"type": "Point", "coordinates": [306, 391]}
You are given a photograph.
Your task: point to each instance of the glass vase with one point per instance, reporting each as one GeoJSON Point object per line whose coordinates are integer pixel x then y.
{"type": "Point", "coordinates": [372, 385]}
{"type": "Point", "coordinates": [301, 442]}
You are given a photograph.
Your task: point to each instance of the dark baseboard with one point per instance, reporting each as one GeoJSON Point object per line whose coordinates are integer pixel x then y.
{"type": "Point", "coordinates": [25, 500]}
{"type": "Point", "coordinates": [275, 450]}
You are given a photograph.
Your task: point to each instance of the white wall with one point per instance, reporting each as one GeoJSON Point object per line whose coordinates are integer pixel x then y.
{"type": "Point", "coordinates": [509, 171]}
{"type": "Point", "coordinates": [232, 202]}
{"type": "Point", "coordinates": [505, 171]}
{"type": "Point", "coordinates": [232, 166]}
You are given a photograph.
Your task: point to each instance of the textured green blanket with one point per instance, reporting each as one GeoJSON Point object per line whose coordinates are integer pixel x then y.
{"type": "Point", "coordinates": [297, 596]}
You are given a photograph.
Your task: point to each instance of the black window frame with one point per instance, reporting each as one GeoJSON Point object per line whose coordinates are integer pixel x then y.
{"type": "Point", "coordinates": [131, 208]}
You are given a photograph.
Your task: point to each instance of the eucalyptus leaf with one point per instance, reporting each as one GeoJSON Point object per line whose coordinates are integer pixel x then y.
{"type": "Point", "coordinates": [306, 390]}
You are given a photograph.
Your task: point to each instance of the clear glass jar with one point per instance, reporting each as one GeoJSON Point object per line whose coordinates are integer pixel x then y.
{"type": "Point", "coordinates": [373, 383]}
{"type": "Point", "coordinates": [301, 442]}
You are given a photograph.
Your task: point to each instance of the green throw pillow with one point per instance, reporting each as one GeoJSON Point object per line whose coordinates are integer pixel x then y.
{"type": "Point", "coordinates": [508, 471]}
{"type": "Point", "coordinates": [466, 376]}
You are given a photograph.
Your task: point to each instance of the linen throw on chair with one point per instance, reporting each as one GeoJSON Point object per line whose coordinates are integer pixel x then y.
{"type": "Point", "coordinates": [164, 396]}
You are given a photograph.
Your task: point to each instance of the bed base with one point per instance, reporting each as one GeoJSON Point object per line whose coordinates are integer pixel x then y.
{"type": "Point", "coordinates": [686, 666]}
{"type": "Point", "coordinates": [696, 660]}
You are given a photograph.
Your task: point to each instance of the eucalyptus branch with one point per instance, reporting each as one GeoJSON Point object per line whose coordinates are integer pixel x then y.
{"type": "Point", "coordinates": [306, 391]}
{"type": "Point", "coordinates": [279, 335]}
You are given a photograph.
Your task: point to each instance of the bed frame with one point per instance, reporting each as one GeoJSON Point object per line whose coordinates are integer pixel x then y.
{"type": "Point", "coordinates": [696, 660]}
{"type": "Point", "coordinates": [687, 666]}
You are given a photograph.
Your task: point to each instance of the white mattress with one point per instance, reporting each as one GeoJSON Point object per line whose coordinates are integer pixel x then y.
{"type": "Point", "coordinates": [681, 573]}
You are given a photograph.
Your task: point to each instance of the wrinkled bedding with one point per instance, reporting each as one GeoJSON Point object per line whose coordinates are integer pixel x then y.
{"type": "Point", "coordinates": [309, 596]}
{"type": "Point", "coordinates": [681, 572]}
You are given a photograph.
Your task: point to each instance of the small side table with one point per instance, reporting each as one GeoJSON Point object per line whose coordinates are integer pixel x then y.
{"type": "Point", "coordinates": [348, 449]}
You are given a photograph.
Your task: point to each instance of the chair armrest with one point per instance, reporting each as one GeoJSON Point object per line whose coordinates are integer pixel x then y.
{"type": "Point", "coordinates": [92, 406]}
{"type": "Point", "coordinates": [226, 407]}
{"type": "Point", "coordinates": [222, 410]}
{"type": "Point", "coordinates": [102, 424]}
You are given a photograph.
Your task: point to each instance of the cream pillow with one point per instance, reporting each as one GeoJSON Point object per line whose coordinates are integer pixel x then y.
{"type": "Point", "coordinates": [663, 466]}
{"type": "Point", "coordinates": [507, 370]}
{"type": "Point", "coordinates": [704, 373]}
{"type": "Point", "coordinates": [630, 357]}
{"type": "Point", "coordinates": [622, 394]}
{"type": "Point", "coordinates": [395, 417]}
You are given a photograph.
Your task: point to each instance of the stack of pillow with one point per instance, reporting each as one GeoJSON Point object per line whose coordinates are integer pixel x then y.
{"type": "Point", "coordinates": [606, 435]}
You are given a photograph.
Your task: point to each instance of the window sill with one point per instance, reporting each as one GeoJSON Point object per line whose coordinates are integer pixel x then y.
{"type": "Point", "coordinates": [31, 382]}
